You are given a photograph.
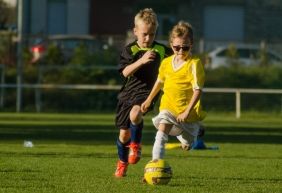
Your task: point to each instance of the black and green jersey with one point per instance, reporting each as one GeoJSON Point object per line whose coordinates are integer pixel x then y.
{"type": "Point", "coordinates": [141, 82]}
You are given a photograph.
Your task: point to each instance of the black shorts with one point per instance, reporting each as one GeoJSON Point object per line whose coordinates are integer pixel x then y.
{"type": "Point", "coordinates": [124, 107]}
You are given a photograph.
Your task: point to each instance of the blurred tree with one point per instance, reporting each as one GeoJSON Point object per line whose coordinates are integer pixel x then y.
{"type": "Point", "coordinates": [81, 56]}
{"type": "Point", "coordinates": [232, 55]}
{"type": "Point", "coordinates": [7, 48]}
{"type": "Point", "coordinates": [262, 55]}
{"type": "Point", "coordinates": [54, 56]}
{"type": "Point", "coordinates": [7, 16]}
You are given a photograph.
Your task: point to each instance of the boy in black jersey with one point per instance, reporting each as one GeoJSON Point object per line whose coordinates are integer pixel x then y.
{"type": "Point", "coordinates": [138, 64]}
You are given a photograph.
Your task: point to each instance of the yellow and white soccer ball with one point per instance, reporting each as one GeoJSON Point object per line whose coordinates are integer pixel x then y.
{"type": "Point", "coordinates": [157, 172]}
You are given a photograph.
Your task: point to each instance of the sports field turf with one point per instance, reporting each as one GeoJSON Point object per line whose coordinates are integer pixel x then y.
{"type": "Point", "coordinates": [77, 153]}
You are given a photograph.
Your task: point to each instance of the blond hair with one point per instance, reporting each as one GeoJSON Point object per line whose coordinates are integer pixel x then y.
{"type": "Point", "coordinates": [182, 30]}
{"type": "Point", "coordinates": [147, 16]}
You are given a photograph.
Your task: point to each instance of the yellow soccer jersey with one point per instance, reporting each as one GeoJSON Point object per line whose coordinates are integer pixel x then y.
{"type": "Point", "coordinates": [179, 84]}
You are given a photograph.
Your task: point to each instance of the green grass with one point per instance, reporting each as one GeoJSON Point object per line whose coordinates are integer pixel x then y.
{"type": "Point", "coordinates": [77, 153]}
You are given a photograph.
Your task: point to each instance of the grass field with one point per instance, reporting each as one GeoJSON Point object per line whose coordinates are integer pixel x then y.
{"type": "Point", "coordinates": [77, 153]}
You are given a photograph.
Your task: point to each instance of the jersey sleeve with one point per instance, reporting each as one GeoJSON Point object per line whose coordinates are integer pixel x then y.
{"type": "Point", "coordinates": [198, 74]}
{"type": "Point", "coordinates": [125, 59]}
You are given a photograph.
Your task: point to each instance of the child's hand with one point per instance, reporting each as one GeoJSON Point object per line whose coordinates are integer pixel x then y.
{"type": "Point", "coordinates": [145, 106]}
{"type": "Point", "coordinates": [148, 57]}
{"type": "Point", "coordinates": [182, 117]}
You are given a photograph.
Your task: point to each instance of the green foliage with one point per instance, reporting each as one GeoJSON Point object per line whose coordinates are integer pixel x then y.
{"type": "Point", "coordinates": [108, 56]}
{"type": "Point", "coordinates": [7, 48]}
{"type": "Point", "coordinates": [232, 55]}
{"type": "Point", "coordinates": [87, 100]}
{"type": "Point", "coordinates": [244, 77]}
{"type": "Point", "coordinates": [89, 68]}
{"type": "Point", "coordinates": [54, 56]}
{"type": "Point", "coordinates": [8, 14]}
{"type": "Point", "coordinates": [263, 57]}
{"type": "Point", "coordinates": [30, 73]}
{"type": "Point", "coordinates": [26, 56]}
{"type": "Point", "coordinates": [81, 56]}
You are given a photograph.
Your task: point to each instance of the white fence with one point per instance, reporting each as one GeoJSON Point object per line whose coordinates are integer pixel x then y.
{"type": "Point", "coordinates": [236, 91]}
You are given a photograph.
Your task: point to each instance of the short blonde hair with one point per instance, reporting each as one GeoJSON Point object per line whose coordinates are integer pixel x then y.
{"type": "Point", "coordinates": [182, 30]}
{"type": "Point", "coordinates": [147, 16]}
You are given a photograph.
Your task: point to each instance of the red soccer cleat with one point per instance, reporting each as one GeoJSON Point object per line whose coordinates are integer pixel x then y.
{"type": "Point", "coordinates": [134, 153]}
{"type": "Point", "coordinates": [121, 169]}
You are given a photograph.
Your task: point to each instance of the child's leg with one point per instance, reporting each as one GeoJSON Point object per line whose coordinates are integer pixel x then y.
{"type": "Point", "coordinates": [189, 135]}
{"type": "Point", "coordinates": [160, 140]}
{"type": "Point", "coordinates": [135, 143]}
{"type": "Point", "coordinates": [186, 140]}
{"type": "Point", "coordinates": [122, 145]}
{"type": "Point", "coordinates": [159, 145]}
{"type": "Point", "coordinates": [136, 132]}
{"type": "Point", "coordinates": [122, 123]}
{"type": "Point", "coordinates": [123, 150]}
{"type": "Point", "coordinates": [136, 124]}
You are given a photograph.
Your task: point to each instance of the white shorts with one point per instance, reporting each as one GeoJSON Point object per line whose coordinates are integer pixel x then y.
{"type": "Point", "coordinates": [188, 132]}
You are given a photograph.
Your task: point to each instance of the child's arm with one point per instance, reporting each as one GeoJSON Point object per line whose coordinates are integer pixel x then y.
{"type": "Point", "coordinates": [146, 104]}
{"type": "Point", "coordinates": [195, 98]}
{"type": "Point", "coordinates": [130, 69]}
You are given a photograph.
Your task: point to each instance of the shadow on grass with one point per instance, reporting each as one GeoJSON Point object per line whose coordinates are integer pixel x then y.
{"type": "Point", "coordinates": [107, 134]}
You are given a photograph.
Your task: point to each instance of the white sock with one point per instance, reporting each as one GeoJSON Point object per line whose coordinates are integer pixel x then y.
{"type": "Point", "coordinates": [159, 145]}
{"type": "Point", "coordinates": [182, 140]}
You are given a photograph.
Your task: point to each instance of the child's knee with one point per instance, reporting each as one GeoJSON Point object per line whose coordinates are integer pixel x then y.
{"type": "Point", "coordinates": [136, 115]}
{"type": "Point", "coordinates": [124, 135]}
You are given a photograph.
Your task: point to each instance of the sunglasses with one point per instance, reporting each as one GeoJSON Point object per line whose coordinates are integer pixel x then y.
{"type": "Point", "coordinates": [184, 48]}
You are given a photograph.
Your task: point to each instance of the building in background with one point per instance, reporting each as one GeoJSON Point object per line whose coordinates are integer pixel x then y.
{"type": "Point", "coordinates": [49, 17]}
{"type": "Point", "coordinates": [214, 21]}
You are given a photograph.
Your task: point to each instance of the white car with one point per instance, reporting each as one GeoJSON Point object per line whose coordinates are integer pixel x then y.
{"type": "Point", "coordinates": [246, 55]}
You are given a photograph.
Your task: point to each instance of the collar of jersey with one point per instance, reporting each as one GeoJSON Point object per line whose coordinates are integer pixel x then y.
{"type": "Point", "coordinates": [156, 48]}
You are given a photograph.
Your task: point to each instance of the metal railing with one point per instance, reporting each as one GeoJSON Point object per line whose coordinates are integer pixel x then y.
{"type": "Point", "coordinates": [236, 91]}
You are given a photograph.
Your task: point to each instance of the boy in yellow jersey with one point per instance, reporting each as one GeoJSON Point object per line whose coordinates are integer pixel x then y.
{"type": "Point", "coordinates": [181, 76]}
{"type": "Point", "coordinates": [138, 65]}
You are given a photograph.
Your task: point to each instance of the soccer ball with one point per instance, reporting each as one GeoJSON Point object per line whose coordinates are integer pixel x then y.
{"type": "Point", "coordinates": [157, 172]}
